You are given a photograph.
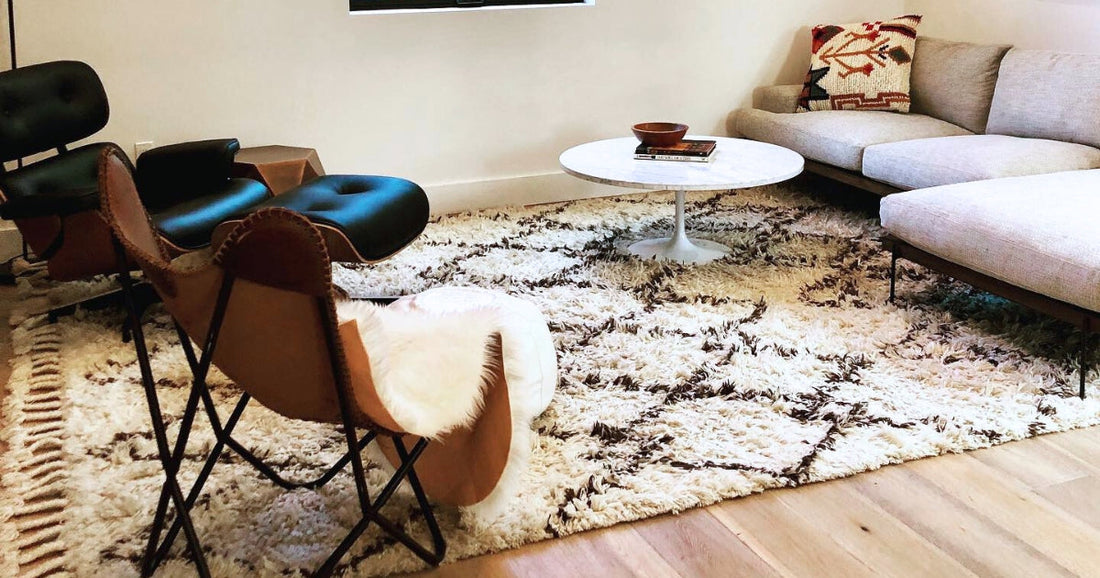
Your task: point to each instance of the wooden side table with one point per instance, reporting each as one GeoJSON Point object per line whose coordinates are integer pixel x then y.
{"type": "Point", "coordinates": [279, 167]}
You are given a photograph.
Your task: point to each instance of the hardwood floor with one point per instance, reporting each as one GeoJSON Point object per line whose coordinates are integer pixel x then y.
{"type": "Point", "coordinates": [1029, 508]}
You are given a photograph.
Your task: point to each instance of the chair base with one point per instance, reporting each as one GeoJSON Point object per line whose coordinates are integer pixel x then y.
{"type": "Point", "coordinates": [172, 496]}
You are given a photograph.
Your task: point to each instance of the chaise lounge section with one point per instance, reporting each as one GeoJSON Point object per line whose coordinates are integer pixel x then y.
{"type": "Point", "coordinates": [1028, 238]}
{"type": "Point", "coordinates": [1000, 161]}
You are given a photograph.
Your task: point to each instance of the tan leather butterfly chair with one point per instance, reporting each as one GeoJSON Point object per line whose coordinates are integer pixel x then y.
{"type": "Point", "coordinates": [264, 313]}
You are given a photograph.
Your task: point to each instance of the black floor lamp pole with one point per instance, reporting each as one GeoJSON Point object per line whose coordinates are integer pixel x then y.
{"type": "Point", "coordinates": [11, 30]}
{"type": "Point", "coordinates": [6, 274]}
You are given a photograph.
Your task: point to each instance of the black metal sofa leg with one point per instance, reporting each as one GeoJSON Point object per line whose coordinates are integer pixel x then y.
{"type": "Point", "coordinates": [1082, 360]}
{"type": "Point", "coordinates": [893, 272]}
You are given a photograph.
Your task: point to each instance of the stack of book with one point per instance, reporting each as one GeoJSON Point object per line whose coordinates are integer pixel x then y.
{"type": "Point", "coordinates": [687, 150]}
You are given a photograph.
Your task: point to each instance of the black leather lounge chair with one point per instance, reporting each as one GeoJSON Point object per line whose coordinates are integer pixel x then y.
{"type": "Point", "coordinates": [54, 202]}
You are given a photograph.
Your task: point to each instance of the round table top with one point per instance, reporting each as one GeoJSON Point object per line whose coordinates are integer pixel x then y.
{"type": "Point", "coordinates": [738, 164]}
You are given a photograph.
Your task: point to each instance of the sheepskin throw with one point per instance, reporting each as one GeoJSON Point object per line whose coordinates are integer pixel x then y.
{"type": "Point", "coordinates": [431, 358]}
{"type": "Point", "coordinates": [862, 66]}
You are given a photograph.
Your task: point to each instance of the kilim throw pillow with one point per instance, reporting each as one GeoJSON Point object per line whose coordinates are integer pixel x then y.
{"type": "Point", "coordinates": [862, 66]}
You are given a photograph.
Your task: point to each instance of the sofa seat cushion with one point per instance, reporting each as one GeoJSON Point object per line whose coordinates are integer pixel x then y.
{"type": "Point", "coordinates": [1036, 232]}
{"type": "Point", "coordinates": [915, 164]}
{"type": "Point", "coordinates": [838, 137]}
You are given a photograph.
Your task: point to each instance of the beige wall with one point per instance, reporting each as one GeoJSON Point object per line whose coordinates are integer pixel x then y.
{"type": "Point", "coordinates": [467, 97]}
{"type": "Point", "coordinates": [1063, 25]}
{"type": "Point", "coordinates": [440, 98]}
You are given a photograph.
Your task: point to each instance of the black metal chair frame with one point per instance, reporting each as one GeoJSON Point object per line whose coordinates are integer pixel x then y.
{"type": "Point", "coordinates": [171, 457]}
{"type": "Point", "coordinates": [1085, 320]}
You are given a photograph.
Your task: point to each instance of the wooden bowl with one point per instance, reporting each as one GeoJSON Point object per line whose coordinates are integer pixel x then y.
{"type": "Point", "coordinates": [660, 134]}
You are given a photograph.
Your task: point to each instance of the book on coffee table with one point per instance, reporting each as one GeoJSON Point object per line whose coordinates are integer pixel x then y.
{"type": "Point", "coordinates": [678, 157]}
{"type": "Point", "coordinates": [689, 150]}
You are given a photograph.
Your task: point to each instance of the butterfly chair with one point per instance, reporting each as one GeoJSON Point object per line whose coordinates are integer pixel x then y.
{"type": "Point", "coordinates": [264, 313]}
{"type": "Point", "coordinates": [54, 201]}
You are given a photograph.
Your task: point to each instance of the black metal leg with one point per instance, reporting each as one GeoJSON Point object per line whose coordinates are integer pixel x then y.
{"type": "Point", "coordinates": [200, 481]}
{"type": "Point", "coordinates": [342, 397]}
{"type": "Point", "coordinates": [157, 418]}
{"type": "Point", "coordinates": [150, 561]}
{"type": "Point", "coordinates": [1082, 363]}
{"type": "Point", "coordinates": [198, 389]}
{"type": "Point", "coordinates": [199, 370]}
{"type": "Point", "coordinates": [371, 510]}
{"type": "Point", "coordinates": [438, 543]}
{"type": "Point", "coordinates": [224, 437]}
{"type": "Point", "coordinates": [371, 515]}
{"type": "Point", "coordinates": [893, 272]}
{"type": "Point", "coordinates": [171, 495]}
{"type": "Point", "coordinates": [177, 458]}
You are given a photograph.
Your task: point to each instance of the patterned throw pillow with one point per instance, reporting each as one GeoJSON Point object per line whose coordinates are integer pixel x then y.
{"type": "Point", "coordinates": [861, 66]}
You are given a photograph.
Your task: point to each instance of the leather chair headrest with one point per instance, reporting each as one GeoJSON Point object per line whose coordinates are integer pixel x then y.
{"type": "Point", "coordinates": [44, 106]}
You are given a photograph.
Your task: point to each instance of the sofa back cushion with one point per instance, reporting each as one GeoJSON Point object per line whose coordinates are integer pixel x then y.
{"type": "Point", "coordinates": [954, 81]}
{"type": "Point", "coordinates": [1048, 95]}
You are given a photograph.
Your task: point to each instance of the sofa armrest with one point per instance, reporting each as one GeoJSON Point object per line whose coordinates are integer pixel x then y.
{"type": "Point", "coordinates": [781, 98]}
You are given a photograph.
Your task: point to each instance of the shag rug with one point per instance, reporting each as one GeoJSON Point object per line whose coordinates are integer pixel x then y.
{"type": "Point", "coordinates": [680, 386]}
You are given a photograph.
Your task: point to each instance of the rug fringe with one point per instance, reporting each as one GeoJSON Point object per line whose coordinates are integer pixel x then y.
{"type": "Point", "coordinates": [32, 471]}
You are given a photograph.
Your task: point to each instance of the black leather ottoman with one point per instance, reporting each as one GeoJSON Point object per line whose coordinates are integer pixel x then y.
{"type": "Point", "coordinates": [363, 218]}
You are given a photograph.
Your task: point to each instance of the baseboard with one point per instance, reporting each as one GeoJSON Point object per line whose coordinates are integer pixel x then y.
{"type": "Point", "coordinates": [447, 198]}
{"type": "Point", "coordinates": [450, 198]}
{"type": "Point", "coordinates": [11, 242]}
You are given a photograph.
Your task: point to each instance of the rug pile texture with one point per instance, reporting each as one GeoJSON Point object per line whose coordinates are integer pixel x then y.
{"type": "Point", "coordinates": [680, 386]}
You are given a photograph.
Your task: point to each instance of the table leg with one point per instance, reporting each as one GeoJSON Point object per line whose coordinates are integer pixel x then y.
{"type": "Point", "coordinates": [679, 247]}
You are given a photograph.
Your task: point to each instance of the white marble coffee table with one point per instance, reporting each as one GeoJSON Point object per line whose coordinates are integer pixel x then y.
{"type": "Point", "coordinates": [739, 164]}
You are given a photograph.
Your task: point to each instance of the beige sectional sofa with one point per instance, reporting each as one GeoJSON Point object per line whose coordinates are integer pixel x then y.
{"type": "Point", "coordinates": [978, 112]}
{"type": "Point", "coordinates": [1000, 161]}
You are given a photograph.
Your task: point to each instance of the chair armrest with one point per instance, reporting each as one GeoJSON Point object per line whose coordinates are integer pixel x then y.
{"type": "Point", "coordinates": [60, 185]}
{"type": "Point", "coordinates": [169, 174]}
{"type": "Point", "coordinates": [58, 203]}
{"type": "Point", "coordinates": [781, 98]}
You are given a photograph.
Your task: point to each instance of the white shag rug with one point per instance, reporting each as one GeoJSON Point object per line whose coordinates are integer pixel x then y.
{"type": "Point", "coordinates": [680, 386]}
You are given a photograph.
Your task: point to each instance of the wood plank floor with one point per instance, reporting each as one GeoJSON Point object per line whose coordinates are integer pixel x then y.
{"type": "Point", "coordinates": [1029, 508]}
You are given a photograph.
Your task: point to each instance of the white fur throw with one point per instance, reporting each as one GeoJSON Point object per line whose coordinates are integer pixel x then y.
{"type": "Point", "coordinates": [428, 359]}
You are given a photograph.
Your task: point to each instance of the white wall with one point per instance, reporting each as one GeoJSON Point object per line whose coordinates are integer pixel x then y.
{"type": "Point", "coordinates": [1062, 25]}
{"type": "Point", "coordinates": [438, 98]}
{"type": "Point", "coordinates": [474, 97]}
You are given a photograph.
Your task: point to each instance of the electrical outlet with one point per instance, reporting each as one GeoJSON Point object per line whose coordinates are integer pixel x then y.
{"type": "Point", "coordinates": [142, 146]}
